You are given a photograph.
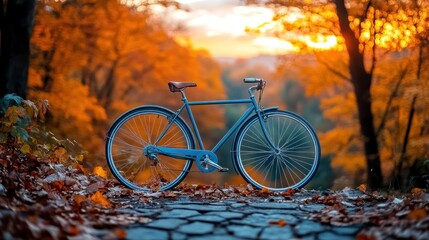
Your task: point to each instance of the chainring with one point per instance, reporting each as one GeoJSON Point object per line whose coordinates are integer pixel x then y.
{"type": "Point", "coordinates": [204, 167]}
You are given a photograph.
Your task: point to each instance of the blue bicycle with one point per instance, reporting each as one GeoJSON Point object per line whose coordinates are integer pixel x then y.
{"type": "Point", "coordinates": [151, 147]}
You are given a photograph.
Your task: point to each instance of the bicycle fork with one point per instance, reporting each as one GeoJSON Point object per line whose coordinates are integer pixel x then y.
{"type": "Point", "coordinates": [262, 119]}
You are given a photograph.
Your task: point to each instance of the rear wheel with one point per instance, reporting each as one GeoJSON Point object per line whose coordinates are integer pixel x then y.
{"type": "Point", "coordinates": [135, 130]}
{"type": "Point", "coordinates": [294, 161]}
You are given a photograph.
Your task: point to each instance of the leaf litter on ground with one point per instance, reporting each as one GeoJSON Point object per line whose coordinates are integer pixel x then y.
{"type": "Point", "coordinates": [46, 198]}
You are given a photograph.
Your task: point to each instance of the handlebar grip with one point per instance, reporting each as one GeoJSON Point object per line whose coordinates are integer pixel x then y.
{"type": "Point", "coordinates": [252, 80]}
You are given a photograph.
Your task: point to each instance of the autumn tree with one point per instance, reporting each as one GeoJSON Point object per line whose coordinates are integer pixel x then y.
{"type": "Point", "coordinates": [16, 23]}
{"type": "Point", "coordinates": [364, 28]}
{"type": "Point", "coordinates": [95, 59]}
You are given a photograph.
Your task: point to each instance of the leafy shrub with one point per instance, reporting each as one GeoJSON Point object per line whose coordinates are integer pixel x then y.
{"type": "Point", "coordinates": [21, 125]}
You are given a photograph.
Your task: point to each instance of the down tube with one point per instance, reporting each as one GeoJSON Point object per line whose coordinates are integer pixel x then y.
{"type": "Point", "coordinates": [236, 125]}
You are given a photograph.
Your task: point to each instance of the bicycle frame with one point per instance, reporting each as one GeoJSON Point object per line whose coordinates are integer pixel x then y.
{"type": "Point", "coordinates": [193, 153]}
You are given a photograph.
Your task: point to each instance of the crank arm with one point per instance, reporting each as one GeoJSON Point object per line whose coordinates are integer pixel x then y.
{"type": "Point", "coordinates": [215, 165]}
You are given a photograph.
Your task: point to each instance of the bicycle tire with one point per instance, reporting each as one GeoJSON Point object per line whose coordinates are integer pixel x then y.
{"type": "Point", "coordinates": [292, 166]}
{"type": "Point", "coordinates": [134, 130]}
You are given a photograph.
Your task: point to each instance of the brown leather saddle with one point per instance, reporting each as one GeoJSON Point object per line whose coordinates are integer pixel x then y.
{"type": "Point", "coordinates": [178, 86]}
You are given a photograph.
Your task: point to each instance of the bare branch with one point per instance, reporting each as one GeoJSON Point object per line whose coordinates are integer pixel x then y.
{"type": "Point", "coordinates": [389, 102]}
{"type": "Point", "coordinates": [332, 69]}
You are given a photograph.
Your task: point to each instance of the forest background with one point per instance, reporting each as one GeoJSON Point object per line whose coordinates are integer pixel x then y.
{"type": "Point", "coordinates": [95, 59]}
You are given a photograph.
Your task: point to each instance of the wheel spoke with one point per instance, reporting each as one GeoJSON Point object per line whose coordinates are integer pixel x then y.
{"type": "Point", "coordinates": [125, 147]}
{"type": "Point", "coordinates": [294, 163]}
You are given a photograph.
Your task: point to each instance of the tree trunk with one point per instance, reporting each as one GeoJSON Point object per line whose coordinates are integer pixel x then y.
{"type": "Point", "coordinates": [1, 16]}
{"type": "Point", "coordinates": [106, 92]}
{"type": "Point", "coordinates": [16, 28]}
{"type": "Point", "coordinates": [361, 80]}
{"type": "Point", "coordinates": [47, 78]}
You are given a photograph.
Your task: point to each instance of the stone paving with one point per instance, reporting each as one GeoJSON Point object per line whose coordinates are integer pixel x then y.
{"type": "Point", "coordinates": [256, 218]}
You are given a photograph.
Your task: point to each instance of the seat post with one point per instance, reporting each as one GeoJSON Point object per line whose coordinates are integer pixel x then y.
{"type": "Point", "coordinates": [182, 92]}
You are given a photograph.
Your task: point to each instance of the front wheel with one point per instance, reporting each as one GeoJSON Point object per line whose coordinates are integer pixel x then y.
{"type": "Point", "coordinates": [291, 164]}
{"type": "Point", "coordinates": [135, 130]}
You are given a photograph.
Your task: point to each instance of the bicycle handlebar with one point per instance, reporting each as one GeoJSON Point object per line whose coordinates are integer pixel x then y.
{"type": "Point", "coordinates": [259, 81]}
{"type": "Point", "coordinates": [252, 80]}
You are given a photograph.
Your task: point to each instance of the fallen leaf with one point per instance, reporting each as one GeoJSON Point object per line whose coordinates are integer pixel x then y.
{"type": "Point", "coordinates": [280, 222]}
{"type": "Point", "coordinates": [120, 233]}
{"type": "Point", "coordinates": [72, 230]}
{"type": "Point", "coordinates": [79, 198]}
{"type": "Point", "coordinates": [60, 154]}
{"type": "Point", "coordinates": [57, 185]}
{"type": "Point", "coordinates": [80, 168]}
{"type": "Point", "coordinates": [79, 158]}
{"type": "Point", "coordinates": [417, 214]}
{"type": "Point", "coordinates": [362, 187]}
{"type": "Point", "coordinates": [416, 191]}
{"type": "Point", "coordinates": [172, 195]}
{"type": "Point", "coordinates": [93, 187]}
{"type": "Point", "coordinates": [25, 148]}
{"type": "Point", "coordinates": [100, 199]}
{"type": "Point", "coordinates": [99, 171]}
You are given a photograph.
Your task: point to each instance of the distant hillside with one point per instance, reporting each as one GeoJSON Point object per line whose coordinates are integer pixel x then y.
{"type": "Point", "coordinates": [268, 61]}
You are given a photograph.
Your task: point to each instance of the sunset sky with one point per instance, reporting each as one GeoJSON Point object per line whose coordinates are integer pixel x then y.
{"type": "Point", "coordinates": [219, 26]}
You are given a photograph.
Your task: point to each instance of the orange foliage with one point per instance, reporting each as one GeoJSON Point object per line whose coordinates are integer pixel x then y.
{"type": "Point", "coordinates": [344, 142]}
{"type": "Point", "coordinates": [96, 59]}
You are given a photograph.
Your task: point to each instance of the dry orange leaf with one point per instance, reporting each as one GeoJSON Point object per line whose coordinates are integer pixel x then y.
{"type": "Point", "coordinates": [365, 237]}
{"type": "Point", "coordinates": [362, 187]}
{"type": "Point", "coordinates": [99, 171]}
{"type": "Point", "coordinates": [57, 184]}
{"type": "Point", "coordinates": [98, 197]}
{"type": "Point", "coordinates": [265, 190]}
{"type": "Point", "coordinates": [60, 154]}
{"type": "Point", "coordinates": [80, 168]}
{"type": "Point", "coordinates": [417, 214]}
{"type": "Point", "coordinates": [416, 191]}
{"type": "Point", "coordinates": [280, 223]}
{"type": "Point", "coordinates": [79, 198]}
{"type": "Point", "coordinates": [172, 195]}
{"type": "Point", "coordinates": [73, 230]}
{"type": "Point", "coordinates": [120, 233]}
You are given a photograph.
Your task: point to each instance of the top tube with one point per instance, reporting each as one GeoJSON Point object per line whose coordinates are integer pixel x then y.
{"type": "Point", "coordinates": [221, 102]}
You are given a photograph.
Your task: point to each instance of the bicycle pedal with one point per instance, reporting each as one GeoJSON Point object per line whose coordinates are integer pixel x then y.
{"type": "Point", "coordinates": [224, 170]}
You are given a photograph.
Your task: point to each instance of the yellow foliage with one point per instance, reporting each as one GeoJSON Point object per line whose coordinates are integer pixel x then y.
{"type": "Point", "coordinates": [340, 107]}
{"type": "Point", "coordinates": [99, 171]}
{"type": "Point", "coordinates": [99, 198]}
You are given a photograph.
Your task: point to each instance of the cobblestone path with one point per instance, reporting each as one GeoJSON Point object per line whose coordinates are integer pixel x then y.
{"type": "Point", "coordinates": [229, 219]}
{"type": "Point", "coordinates": [240, 218]}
